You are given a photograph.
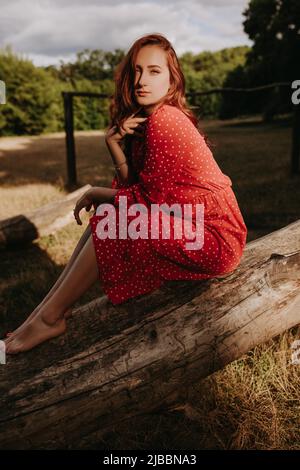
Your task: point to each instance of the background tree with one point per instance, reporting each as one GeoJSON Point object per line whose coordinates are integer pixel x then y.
{"type": "Point", "coordinates": [34, 101]}
{"type": "Point", "coordinates": [32, 104]}
{"type": "Point", "coordinates": [208, 70]}
{"type": "Point", "coordinates": [274, 28]}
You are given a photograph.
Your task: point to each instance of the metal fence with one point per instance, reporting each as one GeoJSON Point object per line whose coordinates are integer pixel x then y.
{"type": "Point", "coordinates": [69, 123]}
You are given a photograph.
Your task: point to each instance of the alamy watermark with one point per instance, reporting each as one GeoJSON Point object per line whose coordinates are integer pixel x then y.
{"type": "Point", "coordinates": [183, 222]}
{"type": "Point", "coordinates": [2, 92]}
{"type": "Point", "coordinates": [296, 94]}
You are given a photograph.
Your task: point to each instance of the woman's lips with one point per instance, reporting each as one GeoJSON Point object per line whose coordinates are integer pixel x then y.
{"type": "Point", "coordinates": [143, 92]}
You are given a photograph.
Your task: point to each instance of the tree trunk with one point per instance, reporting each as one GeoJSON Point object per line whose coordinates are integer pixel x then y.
{"type": "Point", "coordinates": [39, 222]}
{"type": "Point", "coordinates": [116, 362]}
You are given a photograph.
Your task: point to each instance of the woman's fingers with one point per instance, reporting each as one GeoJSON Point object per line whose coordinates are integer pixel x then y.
{"type": "Point", "coordinates": [133, 124]}
{"type": "Point", "coordinates": [135, 121]}
{"type": "Point", "coordinates": [126, 126]}
{"type": "Point", "coordinates": [123, 129]}
{"type": "Point", "coordinates": [85, 201]}
{"type": "Point", "coordinates": [76, 215]}
{"type": "Point", "coordinates": [138, 129]}
{"type": "Point", "coordinates": [79, 205]}
{"type": "Point", "coordinates": [140, 108]}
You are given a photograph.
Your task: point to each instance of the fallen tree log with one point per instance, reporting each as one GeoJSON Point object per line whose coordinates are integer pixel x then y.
{"type": "Point", "coordinates": [33, 224]}
{"type": "Point", "coordinates": [116, 362]}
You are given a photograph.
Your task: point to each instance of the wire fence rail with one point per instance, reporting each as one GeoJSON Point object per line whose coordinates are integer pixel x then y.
{"type": "Point", "coordinates": [69, 122]}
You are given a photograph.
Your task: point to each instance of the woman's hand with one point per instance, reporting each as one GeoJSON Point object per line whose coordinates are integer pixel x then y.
{"type": "Point", "coordinates": [86, 200]}
{"type": "Point", "coordinates": [127, 127]}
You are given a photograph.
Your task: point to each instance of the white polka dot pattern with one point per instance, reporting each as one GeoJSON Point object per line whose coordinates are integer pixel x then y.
{"type": "Point", "coordinates": [174, 165]}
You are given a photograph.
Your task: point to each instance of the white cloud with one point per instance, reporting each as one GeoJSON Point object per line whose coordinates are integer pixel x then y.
{"type": "Point", "coordinates": [51, 30]}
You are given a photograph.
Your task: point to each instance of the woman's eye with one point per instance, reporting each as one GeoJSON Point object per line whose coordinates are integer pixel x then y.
{"type": "Point", "coordinates": [154, 71]}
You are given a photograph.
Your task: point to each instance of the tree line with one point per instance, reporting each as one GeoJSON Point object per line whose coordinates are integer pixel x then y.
{"type": "Point", "coordinates": [34, 101]}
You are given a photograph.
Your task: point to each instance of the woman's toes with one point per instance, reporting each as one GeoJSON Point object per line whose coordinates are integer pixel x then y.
{"type": "Point", "coordinates": [6, 341]}
{"type": "Point", "coordinates": [34, 333]}
{"type": "Point", "coordinates": [13, 347]}
{"type": "Point", "coordinates": [9, 339]}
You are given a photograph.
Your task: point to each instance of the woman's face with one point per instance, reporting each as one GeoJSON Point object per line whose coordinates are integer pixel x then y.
{"type": "Point", "coordinates": [151, 75]}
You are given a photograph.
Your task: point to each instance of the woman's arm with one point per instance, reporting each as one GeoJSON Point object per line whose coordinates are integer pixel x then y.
{"type": "Point", "coordinates": [125, 173]}
{"type": "Point", "coordinates": [93, 196]}
{"type": "Point", "coordinates": [168, 137]}
{"type": "Point", "coordinates": [101, 194]}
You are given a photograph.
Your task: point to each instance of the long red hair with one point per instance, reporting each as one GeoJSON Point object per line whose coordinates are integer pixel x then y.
{"type": "Point", "coordinates": [123, 102]}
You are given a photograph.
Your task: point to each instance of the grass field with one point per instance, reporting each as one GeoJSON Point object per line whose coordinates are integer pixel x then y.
{"type": "Point", "coordinates": [253, 403]}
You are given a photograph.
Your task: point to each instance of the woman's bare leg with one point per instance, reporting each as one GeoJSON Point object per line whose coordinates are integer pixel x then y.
{"type": "Point", "coordinates": [62, 276]}
{"type": "Point", "coordinates": [50, 321]}
{"type": "Point", "coordinates": [82, 241]}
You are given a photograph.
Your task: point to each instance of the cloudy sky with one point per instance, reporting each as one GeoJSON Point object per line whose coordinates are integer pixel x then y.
{"type": "Point", "coordinates": [47, 31]}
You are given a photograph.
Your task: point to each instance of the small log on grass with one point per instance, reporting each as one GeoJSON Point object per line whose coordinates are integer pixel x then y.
{"type": "Point", "coordinates": [33, 224]}
{"type": "Point", "coordinates": [143, 356]}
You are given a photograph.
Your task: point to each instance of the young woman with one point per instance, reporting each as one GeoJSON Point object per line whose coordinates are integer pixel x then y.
{"type": "Point", "coordinates": [160, 157]}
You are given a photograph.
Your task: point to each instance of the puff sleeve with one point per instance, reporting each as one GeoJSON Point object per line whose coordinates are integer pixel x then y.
{"type": "Point", "coordinates": [166, 136]}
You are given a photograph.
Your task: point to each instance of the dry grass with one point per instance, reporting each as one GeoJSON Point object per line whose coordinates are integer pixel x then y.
{"type": "Point", "coordinates": [253, 403]}
{"type": "Point", "coordinates": [33, 169]}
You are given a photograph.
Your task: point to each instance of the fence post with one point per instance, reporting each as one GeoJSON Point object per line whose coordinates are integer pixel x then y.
{"type": "Point", "coordinates": [70, 144]}
{"type": "Point", "coordinates": [296, 141]}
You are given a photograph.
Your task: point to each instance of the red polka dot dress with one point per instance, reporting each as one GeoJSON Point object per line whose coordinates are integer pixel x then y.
{"type": "Point", "coordinates": [174, 166]}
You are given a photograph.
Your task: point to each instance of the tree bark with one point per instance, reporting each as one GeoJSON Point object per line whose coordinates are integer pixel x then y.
{"type": "Point", "coordinates": [47, 219]}
{"type": "Point", "coordinates": [142, 356]}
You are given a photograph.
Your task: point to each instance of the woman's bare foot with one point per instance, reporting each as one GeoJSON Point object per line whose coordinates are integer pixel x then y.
{"type": "Point", "coordinates": [18, 330]}
{"type": "Point", "coordinates": [34, 332]}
